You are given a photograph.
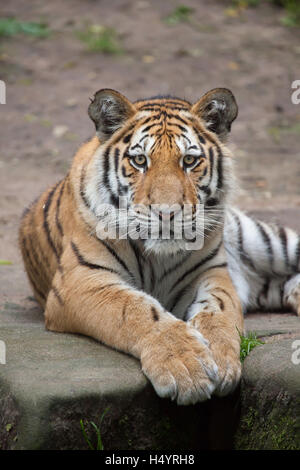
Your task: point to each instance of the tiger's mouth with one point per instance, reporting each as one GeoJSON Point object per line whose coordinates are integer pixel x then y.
{"type": "Point", "coordinates": [160, 228]}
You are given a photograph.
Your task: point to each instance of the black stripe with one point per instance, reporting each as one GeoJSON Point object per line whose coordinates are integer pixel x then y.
{"type": "Point", "coordinates": [114, 200]}
{"type": "Point", "coordinates": [40, 259]}
{"type": "Point", "coordinates": [127, 138]}
{"type": "Point", "coordinates": [177, 298]}
{"type": "Point", "coordinates": [217, 266]}
{"type": "Point", "coordinates": [244, 256]}
{"type": "Point", "coordinates": [138, 255]}
{"type": "Point", "coordinates": [267, 240]}
{"type": "Point", "coordinates": [220, 170]}
{"type": "Point", "coordinates": [124, 311]}
{"type": "Point", "coordinates": [123, 169]}
{"type": "Point", "coordinates": [155, 314]}
{"type": "Point", "coordinates": [211, 161]}
{"type": "Point", "coordinates": [121, 188]}
{"type": "Point", "coordinates": [57, 295]}
{"type": "Point", "coordinates": [150, 127]}
{"type": "Point", "coordinates": [156, 107]}
{"type": "Point", "coordinates": [152, 276]}
{"type": "Point", "coordinates": [121, 136]}
{"type": "Point", "coordinates": [35, 288]}
{"type": "Point", "coordinates": [220, 289]}
{"type": "Point", "coordinates": [164, 101]}
{"type": "Point", "coordinates": [176, 116]}
{"type": "Point", "coordinates": [97, 289]}
{"type": "Point", "coordinates": [155, 117]}
{"type": "Point", "coordinates": [117, 153]}
{"type": "Point", "coordinates": [84, 262]}
{"type": "Point", "coordinates": [106, 168]}
{"type": "Point", "coordinates": [297, 256]}
{"type": "Point", "coordinates": [136, 146]}
{"type": "Point", "coordinates": [200, 137]}
{"type": "Point", "coordinates": [177, 102]}
{"type": "Point", "coordinates": [116, 256]}
{"type": "Point", "coordinates": [284, 242]}
{"type": "Point", "coordinates": [183, 129]}
{"type": "Point", "coordinates": [28, 253]}
{"type": "Point", "coordinates": [198, 265]}
{"type": "Point", "coordinates": [205, 189]}
{"type": "Point", "coordinates": [173, 268]}
{"type": "Point", "coordinates": [58, 224]}
{"type": "Point", "coordinates": [281, 294]}
{"type": "Point", "coordinates": [201, 132]}
{"type": "Point", "coordinates": [263, 293]}
{"type": "Point", "coordinates": [46, 224]}
{"type": "Point", "coordinates": [82, 188]}
{"type": "Point", "coordinates": [220, 301]}
{"type": "Point", "coordinates": [211, 202]}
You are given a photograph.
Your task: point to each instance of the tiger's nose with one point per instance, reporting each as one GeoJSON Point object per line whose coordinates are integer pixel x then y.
{"type": "Point", "coordinates": [166, 212]}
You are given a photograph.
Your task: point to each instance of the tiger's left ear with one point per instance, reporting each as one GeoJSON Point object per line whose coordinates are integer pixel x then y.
{"type": "Point", "coordinates": [218, 109]}
{"type": "Point", "coordinates": [109, 110]}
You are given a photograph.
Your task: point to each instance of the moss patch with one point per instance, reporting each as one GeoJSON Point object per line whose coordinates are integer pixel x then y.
{"type": "Point", "coordinates": [276, 429]}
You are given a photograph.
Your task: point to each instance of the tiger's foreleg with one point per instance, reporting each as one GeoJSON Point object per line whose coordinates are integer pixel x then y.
{"type": "Point", "coordinates": [97, 302]}
{"type": "Point", "coordinates": [216, 313]}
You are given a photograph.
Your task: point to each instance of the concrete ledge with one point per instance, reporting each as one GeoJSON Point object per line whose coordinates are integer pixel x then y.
{"type": "Point", "coordinates": [52, 380]}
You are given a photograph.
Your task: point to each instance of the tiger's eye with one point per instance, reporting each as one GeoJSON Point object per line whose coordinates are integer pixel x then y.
{"type": "Point", "coordinates": [139, 160]}
{"type": "Point", "coordinates": [189, 160]}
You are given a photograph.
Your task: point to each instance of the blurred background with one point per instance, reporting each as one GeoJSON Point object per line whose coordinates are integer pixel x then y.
{"type": "Point", "coordinates": [55, 55]}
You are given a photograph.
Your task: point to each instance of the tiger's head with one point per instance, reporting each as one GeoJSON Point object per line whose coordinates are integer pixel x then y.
{"type": "Point", "coordinates": [163, 153]}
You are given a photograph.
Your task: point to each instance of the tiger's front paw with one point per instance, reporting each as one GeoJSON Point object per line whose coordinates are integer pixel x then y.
{"type": "Point", "coordinates": [225, 348]}
{"type": "Point", "coordinates": [178, 362]}
{"type": "Point", "coordinates": [229, 366]}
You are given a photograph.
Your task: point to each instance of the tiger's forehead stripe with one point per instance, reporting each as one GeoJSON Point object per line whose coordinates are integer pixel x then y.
{"type": "Point", "coordinates": [179, 129]}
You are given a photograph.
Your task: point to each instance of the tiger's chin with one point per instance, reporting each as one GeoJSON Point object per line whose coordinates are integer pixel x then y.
{"type": "Point", "coordinates": [165, 247]}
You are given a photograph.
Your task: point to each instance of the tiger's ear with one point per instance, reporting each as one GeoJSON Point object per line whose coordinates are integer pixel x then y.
{"type": "Point", "coordinates": [218, 109]}
{"type": "Point", "coordinates": [109, 110]}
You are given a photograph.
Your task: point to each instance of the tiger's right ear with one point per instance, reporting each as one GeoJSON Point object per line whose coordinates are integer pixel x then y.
{"type": "Point", "coordinates": [109, 110]}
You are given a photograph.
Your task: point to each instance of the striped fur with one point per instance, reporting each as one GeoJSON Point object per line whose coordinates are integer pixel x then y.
{"type": "Point", "coordinates": [178, 311]}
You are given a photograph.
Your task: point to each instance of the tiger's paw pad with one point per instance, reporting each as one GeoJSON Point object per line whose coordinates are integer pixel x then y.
{"type": "Point", "coordinates": [180, 365]}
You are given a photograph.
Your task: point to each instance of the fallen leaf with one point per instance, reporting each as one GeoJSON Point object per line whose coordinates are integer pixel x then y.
{"type": "Point", "coordinates": [233, 65]}
{"type": "Point", "coordinates": [59, 131]}
{"type": "Point", "coordinates": [232, 12]}
{"type": "Point", "coordinates": [148, 59]}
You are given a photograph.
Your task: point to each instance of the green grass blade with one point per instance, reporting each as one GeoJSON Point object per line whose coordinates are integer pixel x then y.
{"type": "Point", "coordinates": [99, 440]}
{"type": "Point", "coordinates": [85, 436]}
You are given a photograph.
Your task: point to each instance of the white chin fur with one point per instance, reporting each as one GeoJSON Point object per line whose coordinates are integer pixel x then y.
{"type": "Point", "coordinates": [165, 247]}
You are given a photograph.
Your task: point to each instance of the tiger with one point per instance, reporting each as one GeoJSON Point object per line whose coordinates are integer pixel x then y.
{"type": "Point", "coordinates": [178, 310]}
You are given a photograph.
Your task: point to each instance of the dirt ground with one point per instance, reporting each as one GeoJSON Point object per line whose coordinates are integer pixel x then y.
{"type": "Point", "coordinates": [49, 82]}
